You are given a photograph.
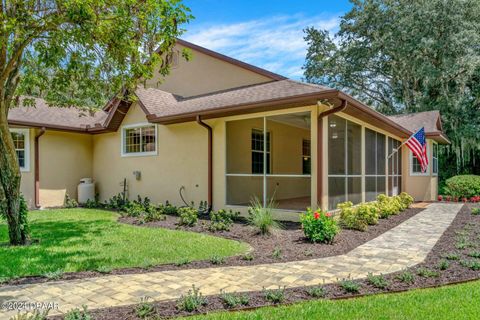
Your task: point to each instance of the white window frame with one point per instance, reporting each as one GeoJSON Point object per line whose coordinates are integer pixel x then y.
{"type": "Point", "coordinates": [26, 134]}
{"type": "Point", "coordinates": [419, 174]}
{"type": "Point", "coordinates": [434, 145]}
{"type": "Point", "coordinates": [123, 152]}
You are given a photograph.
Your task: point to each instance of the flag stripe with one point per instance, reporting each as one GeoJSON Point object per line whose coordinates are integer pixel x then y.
{"type": "Point", "coordinates": [418, 145]}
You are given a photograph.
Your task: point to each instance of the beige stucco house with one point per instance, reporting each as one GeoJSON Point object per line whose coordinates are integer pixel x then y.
{"type": "Point", "coordinates": [224, 131]}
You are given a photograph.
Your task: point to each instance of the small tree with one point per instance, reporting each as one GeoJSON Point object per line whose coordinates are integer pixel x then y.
{"type": "Point", "coordinates": [75, 53]}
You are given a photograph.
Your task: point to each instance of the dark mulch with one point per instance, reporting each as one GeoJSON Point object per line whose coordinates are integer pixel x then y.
{"type": "Point", "coordinates": [290, 241]}
{"type": "Point", "coordinates": [461, 239]}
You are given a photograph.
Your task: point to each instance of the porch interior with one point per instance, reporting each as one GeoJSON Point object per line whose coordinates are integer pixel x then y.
{"type": "Point", "coordinates": [269, 159]}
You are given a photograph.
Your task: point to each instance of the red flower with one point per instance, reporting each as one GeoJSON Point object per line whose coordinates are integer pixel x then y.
{"type": "Point", "coordinates": [328, 215]}
{"type": "Point", "coordinates": [440, 198]}
{"type": "Point", "coordinates": [464, 199]}
{"type": "Point", "coordinates": [316, 215]}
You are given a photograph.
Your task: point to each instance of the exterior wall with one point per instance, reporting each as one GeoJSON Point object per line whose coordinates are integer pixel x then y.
{"type": "Point", "coordinates": [203, 74]}
{"type": "Point", "coordinates": [181, 161]}
{"type": "Point", "coordinates": [65, 158]}
{"type": "Point", "coordinates": [27, 186]}
{"type": "Point", "coordinates": [423, 187]}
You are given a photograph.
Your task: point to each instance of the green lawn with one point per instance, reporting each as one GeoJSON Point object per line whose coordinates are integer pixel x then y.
{"type": "Point", "coordinates": [449, 302]}
{"type": "Point", "coordinates": [83, 239]}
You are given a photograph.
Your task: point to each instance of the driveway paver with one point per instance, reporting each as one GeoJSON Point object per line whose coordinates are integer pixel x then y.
{"type": "Point", "coordinates": [403, 246]}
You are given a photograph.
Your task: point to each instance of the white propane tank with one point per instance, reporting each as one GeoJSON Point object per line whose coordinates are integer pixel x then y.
{"type": "Point", "coordinates": [86, 190]}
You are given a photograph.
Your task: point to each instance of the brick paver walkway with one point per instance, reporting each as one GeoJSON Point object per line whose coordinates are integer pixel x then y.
{"type": "Point", "coordinates": [403, 246]}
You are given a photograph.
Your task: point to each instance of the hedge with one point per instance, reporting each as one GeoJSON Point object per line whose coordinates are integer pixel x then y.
{"type": "Point", "coordinates": [463, 186]}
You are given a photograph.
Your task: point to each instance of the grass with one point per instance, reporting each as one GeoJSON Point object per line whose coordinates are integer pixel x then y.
{"type": "Point", "coordinates": [449, 302]}
{"type": "Point", "coordinates": [88, 239]}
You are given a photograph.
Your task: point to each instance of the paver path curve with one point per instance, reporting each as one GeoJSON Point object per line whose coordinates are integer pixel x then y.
{"type": "Point", "coordinates": [403, 246]}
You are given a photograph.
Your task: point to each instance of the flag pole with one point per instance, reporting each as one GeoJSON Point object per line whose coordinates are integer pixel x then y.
{"type": "Point", "coordinates": [396, 150]}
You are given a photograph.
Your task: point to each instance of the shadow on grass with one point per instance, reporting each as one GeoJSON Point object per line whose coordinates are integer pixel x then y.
{"type": "Point", "coordinates": [63, 245]}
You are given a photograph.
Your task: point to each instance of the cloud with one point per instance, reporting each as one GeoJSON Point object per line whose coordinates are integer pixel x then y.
{"type": "Point", "coordinates": [274, 43]}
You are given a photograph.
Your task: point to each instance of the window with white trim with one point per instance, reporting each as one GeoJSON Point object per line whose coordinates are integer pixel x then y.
{"type": "Point", "coordinates": [435, 159]}
{"type": "Point", "coordinates": [415, 166]}
{"type": "Point", "coordinates": [139, 139]}
{"type": "Point", "coordinates": [258, 151]}
{"type": "Point", "coordinates": [21, 140]}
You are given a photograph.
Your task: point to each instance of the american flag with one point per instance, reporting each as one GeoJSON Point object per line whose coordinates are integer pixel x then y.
{"type": "Point", "coordinates": [418, 145]}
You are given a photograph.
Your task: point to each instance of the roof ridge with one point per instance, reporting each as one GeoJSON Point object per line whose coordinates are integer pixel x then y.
{"type": "Point", "coordinates": [413, 113]}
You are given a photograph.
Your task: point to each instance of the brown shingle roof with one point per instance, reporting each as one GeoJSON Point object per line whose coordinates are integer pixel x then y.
{"type": "Point", "coordinates": [430, 120]}
{"type": "Point", "coordinates": [163, 104]}
{"type": "Point", "coordinates": [41, 115]}
{"type": "Point", "coordinates": [414, 121]}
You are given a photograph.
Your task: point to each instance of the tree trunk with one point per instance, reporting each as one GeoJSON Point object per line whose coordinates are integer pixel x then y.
{"type": "Point", "coordinates": [10, 177]}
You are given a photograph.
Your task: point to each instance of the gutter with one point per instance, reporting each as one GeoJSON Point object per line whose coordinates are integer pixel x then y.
{"type": "Point", "coordinates": [210, 162]}
{"type": "Point", "coordinates": [320, 177]}
{"type": "Point", "coordinates": [37, 167]}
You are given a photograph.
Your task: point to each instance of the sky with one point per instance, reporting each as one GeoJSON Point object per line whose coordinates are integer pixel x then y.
{"type": "Point", "coordinates": [265, 33]}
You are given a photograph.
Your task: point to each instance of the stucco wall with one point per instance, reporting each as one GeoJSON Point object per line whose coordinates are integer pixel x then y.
{"type": "Point", "coordinates": [421, 187]}
{"type": "Point", "coordinates": [65, 158]}
{"type": "Point", "coordinates": [28, 179]}
{"type": "Point", "coordinates": [203, 74]}
{"type": "Point", "coordinates": [181, 161]}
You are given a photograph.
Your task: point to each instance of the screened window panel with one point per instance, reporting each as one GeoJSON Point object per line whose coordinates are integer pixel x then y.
{"type": "Point", "coordinates": [381, 188]}
{"type": "Point", "coordinates": [336, 191]}
{"type": "Point", "coordinates": [336, 145]}
{"type": "Point", "coordinates": [370, 151]}
{"type": "Point", "coordinates": [416, 167]}
{"type": "Point", "coordinates": [354, 189]}
{"type": "Point", "coordinates": [370, 188]}
{"type": "Point", "coordinates": [354, 148]}
{"type": "Point", "coordinates": [380, 154]}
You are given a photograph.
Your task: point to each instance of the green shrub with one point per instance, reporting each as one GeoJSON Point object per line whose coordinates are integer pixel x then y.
{"type": "Point", "coordinates": [77, 314]}
{"type": "Point", "coordinates": [145, 309]}
{"type": "Point", "coordinates": [406, 199]}
{"type": "Point", "coordinates": [406, 277]}
{"type": "Point", "coordinates": [216, 259]}
{"type": "Point", "coordinates": [192, 301]}
{"type": "Point", "coordinates": [170, 209]}
{"type": "Point", "coordinates": [463, 186]}
{"type": "Point", "coordinates": [188, 216]}
{"type": "Point", "coordinates": [443, 265]}
{"type": "Point", "coordinates": [117, 202]}
{"type": "Point", "coordinates": [248, 256]}
{"type": "Point", "coordinates": [427, 273]}
{"type": "Point", "coordinates": [134, 209]}
{"type": "Point", "coordinates": [182, 262]}
{"type": "Point", "coordinates": [154, 214]}
{"type": "Point", "coordinates": [452, 256]}
{"type": "Point", "coordinates": [222, 220]}
{"type": "Point", "coordinates": [35, 315]}
{"type": "Point", "coordinates": [476, 211]}
{"type": "Point", "coordinates": [54, 275]}
{"type": "Point", "coordinates": [378, 281]}
{"type": "Point", "coordinates": [232, 300]}
{"type": "Point", "coordinates": [474, 254]}
{"type": "Point", "coordinates": [69, 202]}
{"type": "Point", "coordinates": [274, 295]}
{"type": "Point", "coordinates": [93, 204]}
{"type": "Point", "coordinates": [388, 206]}
{"type": "Point", "coordinates": [316, 292]}
{"type": "Point", "coordinates": [350, 286]}
{"type": "Point", "coordinates": [277, 253]}
{"type": "Point", "coordinates": [319, 226]}
{"type": "Point", "coordinates": [358, 217]}
{"type": "Point", "coordinates": [262, 217]}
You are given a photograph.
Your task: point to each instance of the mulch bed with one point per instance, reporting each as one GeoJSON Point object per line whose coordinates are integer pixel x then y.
{"type": "Point", "coordinates": [457, 246]}
{"type": "Point", "coordinates": [289, 241]}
